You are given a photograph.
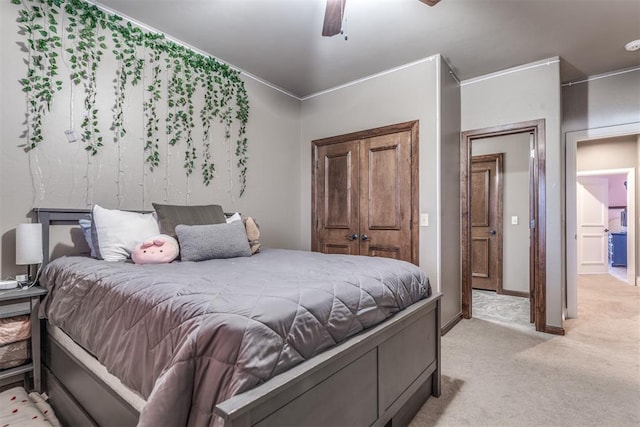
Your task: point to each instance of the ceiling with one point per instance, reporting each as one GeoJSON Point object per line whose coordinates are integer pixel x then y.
{"type": "Point", "coordinates": [280, 40]}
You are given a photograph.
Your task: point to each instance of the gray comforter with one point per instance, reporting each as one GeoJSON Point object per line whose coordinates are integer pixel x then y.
{"type": "Point", "coordinates": [188, 335]}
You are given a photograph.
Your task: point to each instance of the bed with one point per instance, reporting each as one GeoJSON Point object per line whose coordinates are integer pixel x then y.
{"type": "Point", "coordinates": [335, 364]}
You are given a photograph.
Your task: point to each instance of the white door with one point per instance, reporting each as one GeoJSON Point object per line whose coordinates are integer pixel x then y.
{"type": "Point", "coordinates": [593, 219]}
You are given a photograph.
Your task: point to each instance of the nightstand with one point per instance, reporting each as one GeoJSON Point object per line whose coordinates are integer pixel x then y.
{"type": "Point", "coordinates": [17, 302]}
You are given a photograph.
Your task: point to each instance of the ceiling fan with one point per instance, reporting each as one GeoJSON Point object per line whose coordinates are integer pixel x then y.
{"type": "Point", "coordinates": [334, 14]}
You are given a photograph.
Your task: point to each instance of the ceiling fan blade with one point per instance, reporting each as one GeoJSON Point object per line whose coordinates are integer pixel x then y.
{"type": "Point", "coordinates": [333, 17]}
{"type": "Point", "coordinates": [430, 2]}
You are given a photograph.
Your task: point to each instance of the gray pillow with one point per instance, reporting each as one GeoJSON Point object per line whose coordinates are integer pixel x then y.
{"type": "Point", "coordinates": [171, 215]}
{"type": "Point", "coordinates": [202, 242]}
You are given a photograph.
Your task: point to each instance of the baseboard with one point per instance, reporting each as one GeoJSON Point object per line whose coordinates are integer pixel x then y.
{"type": "Point", "coordinates": [453, 322]}
{"type": "Point", "coordinates": [514, 293]}
{"type": "Point", "coordinates": [555, 330]}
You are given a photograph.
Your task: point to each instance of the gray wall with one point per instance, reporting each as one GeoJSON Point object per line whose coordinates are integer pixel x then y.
{"type": "Point", "coordinates": [528, 93]}
{"type": "Point", "coordinates": [607, 101]}
{"type": "Point", "coordinates": [53, 175]}
{"type": "Point", "coordinates": [450, 193]}
{"type": "Point", "coordinates": [515, 266]}
{"type": "Point", "coordinates": [406, 94]}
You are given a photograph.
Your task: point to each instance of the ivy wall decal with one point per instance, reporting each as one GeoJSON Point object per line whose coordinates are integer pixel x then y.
{"type": "Point", "coordinates": [173, 75]}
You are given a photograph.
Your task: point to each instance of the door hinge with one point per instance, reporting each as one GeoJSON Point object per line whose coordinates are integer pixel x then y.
{"type": "Point", "coordinates": [533, 224]}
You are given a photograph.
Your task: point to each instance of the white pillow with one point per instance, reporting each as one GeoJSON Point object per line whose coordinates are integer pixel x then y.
{"type": "Point", "coordinates": [235, 217]}
{"type": "Point", "coordinates": [115, 233]}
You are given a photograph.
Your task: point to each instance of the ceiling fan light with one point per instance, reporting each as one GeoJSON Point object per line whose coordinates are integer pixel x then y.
{"type": "Point", "coordinates": [430, 2]}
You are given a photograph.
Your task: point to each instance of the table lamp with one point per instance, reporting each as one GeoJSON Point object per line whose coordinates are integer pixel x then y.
{"type": "Point", "coordinates": [29, 246]}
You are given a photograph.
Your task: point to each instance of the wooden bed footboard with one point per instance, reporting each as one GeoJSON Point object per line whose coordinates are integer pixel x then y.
{"type": "Point", "coordinates": [380, 377]}
{"type": "Point", "coordinates": [377, 378]}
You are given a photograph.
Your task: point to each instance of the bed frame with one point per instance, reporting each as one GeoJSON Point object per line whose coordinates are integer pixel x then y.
{"type": "Point", "coordinates": [380, 377]}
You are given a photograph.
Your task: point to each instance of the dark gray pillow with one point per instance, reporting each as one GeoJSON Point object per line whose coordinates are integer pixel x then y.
{"type": "Point", "coordinates": [171, 215]}
{"type": "Point", "coordinates": [202, 242]}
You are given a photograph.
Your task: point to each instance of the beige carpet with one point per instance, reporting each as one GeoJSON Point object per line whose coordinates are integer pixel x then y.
{"type": "Point", "coordinates": [496, 375]}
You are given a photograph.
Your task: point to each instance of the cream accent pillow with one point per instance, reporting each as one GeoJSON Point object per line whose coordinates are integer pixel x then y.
{"type": "Point", "coordinates": [115, 233]}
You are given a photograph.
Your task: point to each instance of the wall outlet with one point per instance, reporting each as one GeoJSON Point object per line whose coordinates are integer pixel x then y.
{"type": "Point", "coordinates": [424, 220]}
{"type": "Point", "coordinates": [514, 220]}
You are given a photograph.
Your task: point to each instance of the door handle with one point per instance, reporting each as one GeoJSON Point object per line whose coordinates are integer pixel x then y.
{"type": "Point", "coordinates": [606, 230]}
{"type": "Point", "coordinates": [352, 237]}
{"type": "Point", "coordinates": [492, 232]}
{"type": "Point", "coordinates": [365, 237]}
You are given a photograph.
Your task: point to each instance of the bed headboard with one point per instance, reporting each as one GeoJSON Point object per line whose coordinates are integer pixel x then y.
{"type": "Point", "coordinates": [63, 216]}
{"type": "Point", "coordinates": [54, 216]}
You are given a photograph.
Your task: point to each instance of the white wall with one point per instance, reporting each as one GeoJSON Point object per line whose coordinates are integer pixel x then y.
{"type": "Point", "coordinates": [404, 94]}
{"type": "Point", "coordinates": [515, 244]}
{"type": "Point", "coordinates": [55, 174]}
{"type": "Point", "coordinates": [529, 92]}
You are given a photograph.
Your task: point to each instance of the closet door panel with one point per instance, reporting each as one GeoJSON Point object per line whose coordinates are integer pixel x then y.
{"type": "Point", "coordinates": [385, 199]}
{"type": "Point", "coordinates": [337, 195]}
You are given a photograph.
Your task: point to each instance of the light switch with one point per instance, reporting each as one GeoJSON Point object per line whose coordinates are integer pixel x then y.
{"type": "Point", "coordinates": [424, 220]}
{"type": "Point", "coordinates": [514, 220]}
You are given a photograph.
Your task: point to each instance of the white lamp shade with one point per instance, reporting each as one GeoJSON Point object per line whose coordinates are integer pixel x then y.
{"type": "Point", "coordinates": [28, 244]}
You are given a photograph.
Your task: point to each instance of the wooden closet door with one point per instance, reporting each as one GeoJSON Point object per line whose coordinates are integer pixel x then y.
{"type": "Point", "coordinates": [365, 193]}
{"type": "Point", "coordinates": [337, 198]}
{"type": "Point", "coordinates": [385, 196]}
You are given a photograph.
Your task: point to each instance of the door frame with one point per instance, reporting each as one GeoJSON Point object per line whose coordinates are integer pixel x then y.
{"type": "Point", "coordinates": [571, 147]}
{"type": "Point", "coordinates": [498, 158]}
{"type": "Point", "coordinates": [411, 126]}
{"type": "Point", "coordinates": [537, 255]}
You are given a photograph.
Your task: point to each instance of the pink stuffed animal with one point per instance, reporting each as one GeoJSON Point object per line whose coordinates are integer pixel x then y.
{"type": "Point", "coordinates": [159, 249]}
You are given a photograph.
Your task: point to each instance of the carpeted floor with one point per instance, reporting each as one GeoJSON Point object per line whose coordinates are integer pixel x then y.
{"type": "Point", "coordinates": [497, 375]}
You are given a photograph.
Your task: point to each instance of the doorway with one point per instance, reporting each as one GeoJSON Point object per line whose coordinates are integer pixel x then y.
{"type": "Point", "coordinates": [535, 217]}
{"type": "Point", "coordinates": [572, 139]}
{"type": "Point", "coordinates": [605, 199]}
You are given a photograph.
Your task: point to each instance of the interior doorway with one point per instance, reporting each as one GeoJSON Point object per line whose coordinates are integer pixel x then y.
{"type": "Point", "coordinates": [572, 139]}
{"type": "Point", "coordinates": [605, 199]}
{"type": "Point", "coordinates": [535, 217]}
